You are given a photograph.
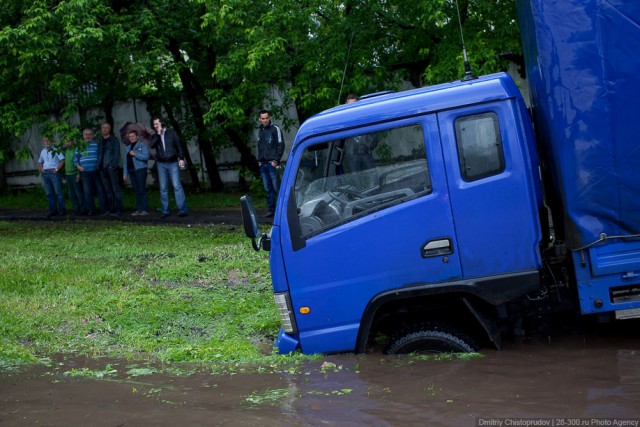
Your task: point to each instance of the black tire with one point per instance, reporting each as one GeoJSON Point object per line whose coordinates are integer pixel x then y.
{"type": "Point", "coordinates": [431, 339]}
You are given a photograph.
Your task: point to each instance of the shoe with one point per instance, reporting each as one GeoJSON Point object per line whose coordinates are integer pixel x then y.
{"type": "Point", "coordinates": [164, 215]}
{"type": "Point", "coordinates": [105, 214]}
{"type": "Point", "coordinates": [63, 213]}
{"type": "Point", "coordinates": [143, 213]}
{"type": "Point", "coordinates": [52, 214]}
{"type": "Point", "coordinates": [183, 214]}
{"type": "Point", "coordinates": [136, 213]}
{"type": "Point", "coordinates": [90, 214]}
{"type": "Point", "coordinates": [268, 215]}
{"type": "Point", "coordinates": [116, 214]}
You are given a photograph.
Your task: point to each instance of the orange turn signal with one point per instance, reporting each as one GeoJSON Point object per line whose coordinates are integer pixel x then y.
{"type": "Point", "coordinates": [305, 310]}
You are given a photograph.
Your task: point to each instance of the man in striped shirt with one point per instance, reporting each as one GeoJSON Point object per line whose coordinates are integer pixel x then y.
{"type": "Point", "coordinates": [87, 163]}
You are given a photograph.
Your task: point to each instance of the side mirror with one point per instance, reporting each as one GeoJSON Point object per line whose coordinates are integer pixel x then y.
{"type": "Point", "coordinates": [250, 222]}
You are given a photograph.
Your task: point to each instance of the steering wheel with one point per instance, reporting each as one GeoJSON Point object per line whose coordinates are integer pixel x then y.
{"type": "Point", "coordinates": [339, 194]}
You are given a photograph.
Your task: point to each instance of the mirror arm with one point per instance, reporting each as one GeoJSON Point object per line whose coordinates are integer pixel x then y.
{"type": "Point", "coordinates": [257, 245]}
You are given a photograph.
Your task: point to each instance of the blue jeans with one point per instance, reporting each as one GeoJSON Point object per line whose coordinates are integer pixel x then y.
{"type": "Point", "coordinates": [171, 171]}
{"type": "Point", "coordinates": [139, 184]}
{"type": "Point", "coordinates": [91, 186]}
{"type": "Point", "coordinates": [270, 180]}
{"type": "Point", "coordinates": [53, 189]}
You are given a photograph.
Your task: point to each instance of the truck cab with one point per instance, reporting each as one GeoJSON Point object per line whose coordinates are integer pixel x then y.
{"type": "Point", "coordinates": [402, 209]}
{"type": "Point", "coordinates": [417, 219]}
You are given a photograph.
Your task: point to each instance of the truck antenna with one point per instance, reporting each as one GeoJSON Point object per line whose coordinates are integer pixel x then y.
{"type": "Point", "coordinates": [346, 62]}
{"type": "Point", "coordinates": [467, 67]}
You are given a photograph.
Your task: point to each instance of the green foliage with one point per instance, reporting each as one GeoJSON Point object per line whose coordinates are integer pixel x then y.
{"type": "Point", "coordinates": [61, 132]}
{"type": "Point", "coordinates": [210, 64]}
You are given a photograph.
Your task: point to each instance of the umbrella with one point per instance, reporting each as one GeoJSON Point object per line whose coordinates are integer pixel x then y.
{"type": "Point", "coordinates": [144, 134]}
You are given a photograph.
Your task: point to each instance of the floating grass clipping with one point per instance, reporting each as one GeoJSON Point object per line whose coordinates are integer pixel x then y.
{"type": "Point", "coordinates": [108, 371]}
{"type": "Point", "coordinates": [446, 356]}
{"type": "Point", "coordinates": [269, 397]}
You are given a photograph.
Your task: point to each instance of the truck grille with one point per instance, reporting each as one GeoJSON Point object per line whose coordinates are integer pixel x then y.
{"type": "Point", "coordinates": [625, 293]}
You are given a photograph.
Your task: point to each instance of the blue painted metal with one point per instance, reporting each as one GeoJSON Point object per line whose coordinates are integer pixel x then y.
{"type": "Point", "coordinates": [406, 104]}
{"type": "Point", "coordinates": [286, 343]}
{"type": "Point", "coordinates": [340, 271]}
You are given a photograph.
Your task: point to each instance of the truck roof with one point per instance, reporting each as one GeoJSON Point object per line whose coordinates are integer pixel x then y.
{"type": "Point", "coordinates": [409, 103]}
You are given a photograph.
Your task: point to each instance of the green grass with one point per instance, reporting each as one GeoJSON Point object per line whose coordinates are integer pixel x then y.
{"type": "Point", "coordinates": [34, 198]}
{"type": "Point", "coordinates": [196, 294]}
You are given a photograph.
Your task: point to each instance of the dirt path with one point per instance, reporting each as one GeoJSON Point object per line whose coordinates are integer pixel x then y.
{"type": "Point", "coordinates": [231, 216]}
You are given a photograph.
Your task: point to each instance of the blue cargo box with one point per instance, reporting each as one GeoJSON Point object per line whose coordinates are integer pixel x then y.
{"type": "Point", "coordinates": [583, 59]}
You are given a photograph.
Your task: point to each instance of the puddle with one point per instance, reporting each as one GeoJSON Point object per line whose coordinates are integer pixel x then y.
{"type": "Point", "coordinates": [579, 376]}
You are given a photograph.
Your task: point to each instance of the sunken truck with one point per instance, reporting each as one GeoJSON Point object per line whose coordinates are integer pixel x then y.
{"type": "Point", "coordinates": [442, 218]}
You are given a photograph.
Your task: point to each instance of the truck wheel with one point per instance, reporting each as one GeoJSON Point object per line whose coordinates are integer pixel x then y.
{"type": "Point", "coordinates": [431, 339]}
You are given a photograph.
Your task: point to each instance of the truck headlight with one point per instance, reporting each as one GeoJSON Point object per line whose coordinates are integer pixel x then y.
{"type": "Point", "coordinates": [283, 303]}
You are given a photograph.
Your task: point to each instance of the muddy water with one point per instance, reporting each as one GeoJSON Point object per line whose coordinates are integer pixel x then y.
{"type": "Point", "coordinates": [594, 378]}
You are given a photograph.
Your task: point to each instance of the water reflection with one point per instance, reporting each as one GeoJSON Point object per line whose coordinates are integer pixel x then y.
{"type": "Point", "coordinates": [569, 378]}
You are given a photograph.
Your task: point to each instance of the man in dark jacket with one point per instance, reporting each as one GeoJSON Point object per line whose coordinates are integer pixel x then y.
{"type": "Point", "coordinates": [169, 160]}
{"type": "Point", "coordinates": [270, 151]}
{"type": "Point", "coordinates": [109, 169]}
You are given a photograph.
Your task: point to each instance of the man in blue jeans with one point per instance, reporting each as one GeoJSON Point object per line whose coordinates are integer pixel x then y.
{"type": "Point", "coordinates": [109, 169]}
{"type": "Point", "coordinates": [169, 161]}
{"type": "Point", "coordinates": [50, 164]}
{"type": "Point", "coordinates": [87, 163]}
{"type": "Point", "coordinates": [270, 151]}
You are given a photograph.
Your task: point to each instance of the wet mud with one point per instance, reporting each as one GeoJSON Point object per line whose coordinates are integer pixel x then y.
{"type": "Point", "coordinates": [573, 378]}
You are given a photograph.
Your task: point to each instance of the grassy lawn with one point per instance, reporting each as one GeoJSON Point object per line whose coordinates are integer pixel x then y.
{"type": "Point", "coordinates": [161, 293]}
{"type": "Point", "coordinates": [34, 198]}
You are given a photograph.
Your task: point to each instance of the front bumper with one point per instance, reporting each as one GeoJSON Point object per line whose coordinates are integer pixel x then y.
{"type": "Point", "coordinates": [285, 343]}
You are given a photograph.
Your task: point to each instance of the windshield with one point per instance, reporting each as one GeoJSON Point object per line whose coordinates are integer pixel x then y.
{"type": "Point", "coordinates": [342, 179]}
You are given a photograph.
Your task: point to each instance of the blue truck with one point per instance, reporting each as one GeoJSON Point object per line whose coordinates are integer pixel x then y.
{"type": "Point", "coordinates": [439, 219]}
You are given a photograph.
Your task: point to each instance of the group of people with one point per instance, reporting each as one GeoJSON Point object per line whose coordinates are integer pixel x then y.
{"type": "Point", "coordinates": [94, 170]}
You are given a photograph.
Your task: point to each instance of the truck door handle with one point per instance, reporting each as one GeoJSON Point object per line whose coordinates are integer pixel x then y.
{"type": "Point", "coordinates": [437, 247]}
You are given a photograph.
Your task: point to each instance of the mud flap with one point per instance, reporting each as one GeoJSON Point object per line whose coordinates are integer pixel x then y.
{"type": "Point", "coordinates": [487, 322]}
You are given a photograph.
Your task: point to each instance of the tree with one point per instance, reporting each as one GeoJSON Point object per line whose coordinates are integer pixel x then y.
{"type": "Point", "coordinates": [58, 58]}
{"type": "Point", "coordinates": [316, 51]}
{"type": "Point", "coordinates": [211, 64]}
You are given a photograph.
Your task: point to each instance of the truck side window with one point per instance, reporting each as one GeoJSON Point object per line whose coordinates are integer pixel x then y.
{"type": "Point", "coordinates": [479, 146]}
{"type": "Point", "coordinates": [343, 179]}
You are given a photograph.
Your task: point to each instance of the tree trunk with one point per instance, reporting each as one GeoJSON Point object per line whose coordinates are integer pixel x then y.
{"type": "Point", "coordinates": [190, 86]}
{"type": "Point", "coordinates": [195, 181]}
{"type": "Point", "coordinates": [247, 159]}
{"type": "Point", "coordinates": [107, 107]}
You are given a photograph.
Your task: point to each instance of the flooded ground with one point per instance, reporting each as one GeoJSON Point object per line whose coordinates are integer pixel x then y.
{"type": "Point", "coordinates": [570, 379]}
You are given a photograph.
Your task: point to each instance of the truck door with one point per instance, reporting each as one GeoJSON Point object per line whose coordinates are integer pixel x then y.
{"type": "Point", "coordinates": [491, 182]}
{"type": "Point", "coordinates": [369, 211]}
